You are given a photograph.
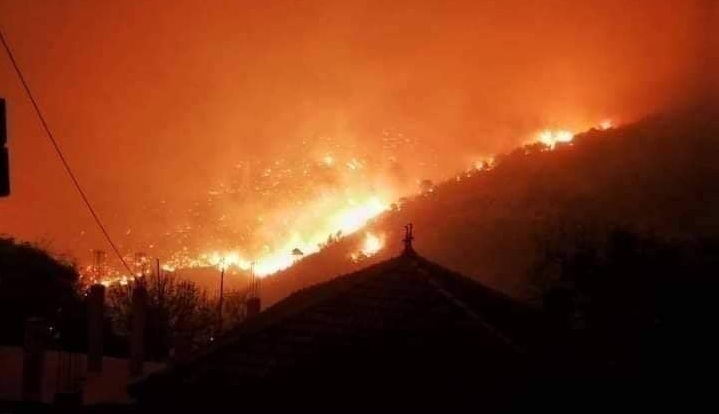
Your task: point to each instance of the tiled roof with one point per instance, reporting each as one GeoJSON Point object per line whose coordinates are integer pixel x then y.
{"type": "Point", "coordinates": [403, 320]}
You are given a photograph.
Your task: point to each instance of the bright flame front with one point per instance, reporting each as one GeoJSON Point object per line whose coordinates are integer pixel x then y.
{"type": "Point", "coordinates": [343, 222]}
{"type": "Point", "coordinates": [305, 207]}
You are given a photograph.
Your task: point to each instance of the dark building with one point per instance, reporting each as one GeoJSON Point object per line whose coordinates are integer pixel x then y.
{"type": "Point", "coordinates": [404, 332]}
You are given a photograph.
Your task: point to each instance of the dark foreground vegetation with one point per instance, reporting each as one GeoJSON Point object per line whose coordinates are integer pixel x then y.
{"type": "Point", "coordinates": [35, 284]}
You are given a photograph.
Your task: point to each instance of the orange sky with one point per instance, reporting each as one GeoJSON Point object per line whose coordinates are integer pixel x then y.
{"type": "Point", "coordinates": [155, 101]}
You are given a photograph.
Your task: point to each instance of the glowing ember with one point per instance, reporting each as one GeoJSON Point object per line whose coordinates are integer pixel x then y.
{"type": "Point", "coordinates": [370, 246]}
{"type": "Point", "coordinates": [551, 138]}
{"type": "Point", "coordinates": [485, 163]}
{"type": "Point", "coordinates": [606, 124]}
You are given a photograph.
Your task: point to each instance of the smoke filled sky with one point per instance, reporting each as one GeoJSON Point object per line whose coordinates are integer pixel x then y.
{"type": "Point", "coordinates": [157, 103]}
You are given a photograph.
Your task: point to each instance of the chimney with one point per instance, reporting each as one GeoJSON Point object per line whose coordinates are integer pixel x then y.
{"type": "Point", "coordinates": [253, 306]}
{"type": "Point", "coordinates": [4, 162]}
{"type": "Point", "coordinates": [36, 330]}
{"type": "Point", "coordinates": [95, 318]}
{"type": "Point", "coordinates": [137, 330]}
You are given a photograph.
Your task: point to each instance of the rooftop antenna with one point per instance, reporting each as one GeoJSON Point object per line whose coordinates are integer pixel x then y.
{"type": "Point", "coordinates": [254, 282]}
{"type": "Point", "coordinates": [253, 305]}
{"type": "Point", "coordinates": [408, 238]}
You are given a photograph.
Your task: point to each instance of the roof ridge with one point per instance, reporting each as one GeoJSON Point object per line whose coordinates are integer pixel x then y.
{"type": "Point", "coordinates": [482, 310]}
{"type": "Point", "coordinates": [471, 312]}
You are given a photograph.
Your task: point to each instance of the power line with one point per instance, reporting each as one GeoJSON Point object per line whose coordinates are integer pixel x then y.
{"type": "Point", "coordinates": [50, 136]}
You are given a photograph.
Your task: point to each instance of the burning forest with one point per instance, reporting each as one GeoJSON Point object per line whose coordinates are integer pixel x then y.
{"type": "Point", "coordinates": [297, 208]}
{"type": "Point", "coordinates": [418, 200]}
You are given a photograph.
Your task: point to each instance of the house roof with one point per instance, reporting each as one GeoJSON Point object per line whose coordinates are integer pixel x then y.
{"type": "Point", "coordinates": [405, 320]}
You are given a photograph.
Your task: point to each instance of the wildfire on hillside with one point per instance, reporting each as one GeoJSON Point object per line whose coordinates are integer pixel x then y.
{"type": "Point", "coordinates": [299, 211]}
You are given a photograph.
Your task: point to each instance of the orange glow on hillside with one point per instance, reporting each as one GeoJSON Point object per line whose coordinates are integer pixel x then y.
{"type": "Point", "coordinates": [308, 226]}
{"type": "Point", "coordinates": [371, 245]}
{"type": "Point", "coordinates": [606, 124]}
{"type": "Point", "coordinates": [551, 138]}
{"type": "Point", "coordinates": [342, 222]}
{"type": "Point", "coordinates": [351, 216]}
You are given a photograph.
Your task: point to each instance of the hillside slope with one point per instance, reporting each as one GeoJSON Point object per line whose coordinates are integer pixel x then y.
{"type": "Point", "coordinates": [659, 176]}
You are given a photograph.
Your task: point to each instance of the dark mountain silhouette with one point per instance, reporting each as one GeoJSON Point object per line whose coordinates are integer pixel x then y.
{"type": "Point", "coordinates": [659, 176]}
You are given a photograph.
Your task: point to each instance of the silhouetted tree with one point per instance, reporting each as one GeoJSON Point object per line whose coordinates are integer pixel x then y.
{"type": "Point", "coordinates": [33, 283]}
{"type": "Point", "coordinates": [175, 307]}
{"type": "Point", "coordinates": [636, 296]}
{"type": "Point", "coordinates": [235, 308]}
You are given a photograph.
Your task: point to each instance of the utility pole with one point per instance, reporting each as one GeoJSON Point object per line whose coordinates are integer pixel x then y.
{"type": "Point", "coordinates": [158, 285]}
{"type": "Point", "coordinates": [252, 305]}
{"type": "Point", "coordinates": [4, 158]}
{"type": "Point", "coordinates": [222, 293]}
